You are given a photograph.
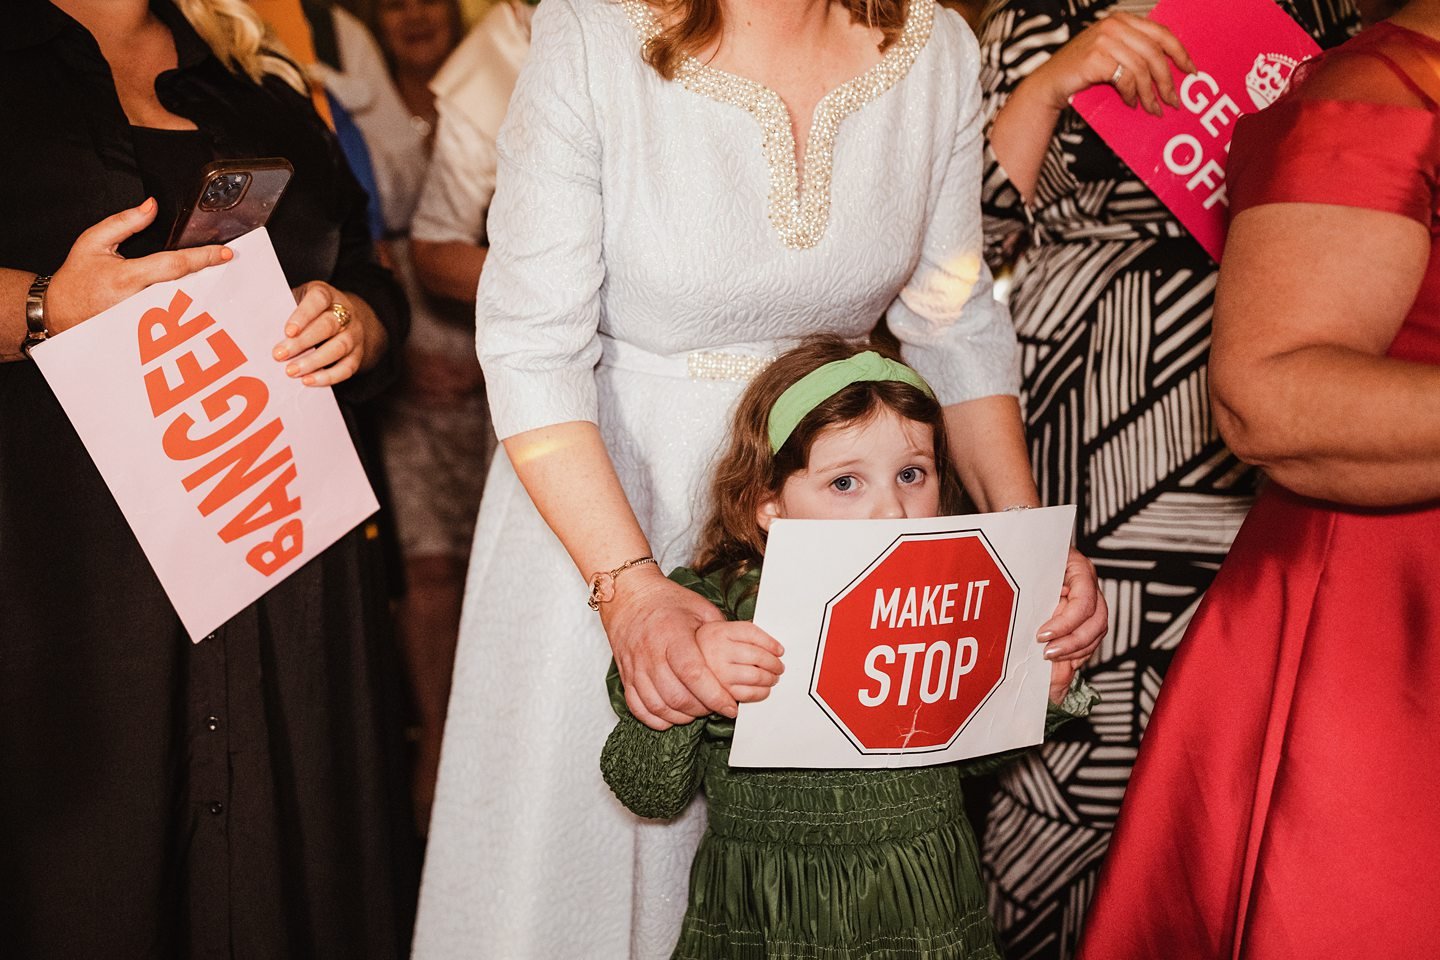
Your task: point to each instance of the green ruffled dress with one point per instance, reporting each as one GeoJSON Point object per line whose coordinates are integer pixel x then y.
{"type": "Point", "coordinates": [812, 864]}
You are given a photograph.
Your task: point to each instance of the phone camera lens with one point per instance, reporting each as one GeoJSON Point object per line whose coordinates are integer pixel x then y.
{"type": "Point", "coordinates": [224, 191]}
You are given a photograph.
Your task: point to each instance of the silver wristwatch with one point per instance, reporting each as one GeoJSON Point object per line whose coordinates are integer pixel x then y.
{"type": "Point", "coordinates": [36, 329]}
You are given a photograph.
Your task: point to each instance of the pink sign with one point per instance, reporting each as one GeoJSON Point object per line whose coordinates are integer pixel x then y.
{"type": "Point", "coordinates": [1245, 52]}
{"type": "Point", "coordinates": [231, 474]}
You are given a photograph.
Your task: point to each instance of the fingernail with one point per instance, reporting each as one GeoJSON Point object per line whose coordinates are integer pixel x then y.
{"type": "Point", "coordinates": [1051, 654]}
{"type": "Point", "coordinates": [280, 353]}
{"type": "Point", "coordinates": [292, 330]}
{"type": "Point", "coordinates": [308, 381]}
{"type": "Point", "coordinates": [291, 370]}
{"type": "Point", "coordinates": [1044, 635]}
{"type": "Point", "coordinates": [226, 253]}
{"type": "Point", "coordinates": [149, 202]}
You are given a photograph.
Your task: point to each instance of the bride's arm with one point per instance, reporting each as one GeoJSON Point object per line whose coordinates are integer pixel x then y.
{"type": "Point", "coordinates": [953, 331]}
{"type": "Point", "coordinates": [537, 322]}
{"type": "Point", "coordinates": [651, 623]}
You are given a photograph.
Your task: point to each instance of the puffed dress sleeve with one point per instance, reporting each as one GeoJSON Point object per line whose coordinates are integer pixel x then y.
{"type": "Point", "coordinates": [950, 327]}
{"type": "Point", "coordinates": [657, 773]}
{"type": "Point", "coordinates": [654, 773]}
{"type": "Point", "coordinates": [538, 311]}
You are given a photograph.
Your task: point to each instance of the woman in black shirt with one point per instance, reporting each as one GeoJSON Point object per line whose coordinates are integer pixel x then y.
{"type": "Point", "coordinates": [244, 796]}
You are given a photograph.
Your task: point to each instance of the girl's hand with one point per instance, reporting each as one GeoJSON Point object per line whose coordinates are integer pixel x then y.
{"type": "Point", "coordinates": [1142, 50]}
{"type": "Point", "coordinates": [744, 658]}
{"type": "Point", "coordinates": [341, 349]}
{"type": "Point", "coordinates": [94, 277]}
{"type": "Point", "coordinates": [1081, 618]}
{"type": "Point", "coordinates": [652, 623]}
{"type": "Point", "coordinates": [1061, 673]}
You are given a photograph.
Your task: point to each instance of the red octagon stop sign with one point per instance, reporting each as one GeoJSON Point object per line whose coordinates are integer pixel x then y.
{"type": "Point", "coordinates": [911, 649]}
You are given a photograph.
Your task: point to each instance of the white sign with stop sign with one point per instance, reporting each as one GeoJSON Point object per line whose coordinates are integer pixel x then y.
{"type": "Point", "coordinates": [907, 642]}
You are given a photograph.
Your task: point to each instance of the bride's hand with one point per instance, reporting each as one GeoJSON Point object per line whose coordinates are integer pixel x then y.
{"type": "Point", "coordinates": [1133, 53]}
{"type": "Point", "coordinates": [651, 623]}
{"type": "Point", "coordinates": [1081, 619]}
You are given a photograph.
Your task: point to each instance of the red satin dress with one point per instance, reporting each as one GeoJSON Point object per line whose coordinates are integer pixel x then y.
{"type": "Point", "coordinates": [1286, 801]}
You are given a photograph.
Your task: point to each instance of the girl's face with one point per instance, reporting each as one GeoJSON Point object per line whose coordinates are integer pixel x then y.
{"type": "Point", "coordinates": [416, 32]}
{"type": "Point", "coordinates": [883, 468]}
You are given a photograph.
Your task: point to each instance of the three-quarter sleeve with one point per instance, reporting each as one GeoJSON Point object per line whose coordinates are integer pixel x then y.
{"type": "Point", "coordinates": [654, 773]}
{"type": "Point", "coordinates": [538, 312]}
{"type": "Point", "coordinates": [951, 328]}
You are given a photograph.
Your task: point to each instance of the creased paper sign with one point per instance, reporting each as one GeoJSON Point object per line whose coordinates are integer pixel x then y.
{"type": "Point", "coordinates": [907, 642]}
{"type": "Point", "coordinates": [231, 474]}
{"type": "Point", "coordinates": [1245, 52]}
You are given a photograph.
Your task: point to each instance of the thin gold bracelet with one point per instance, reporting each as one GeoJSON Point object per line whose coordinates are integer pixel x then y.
{"type": "Point", "coordinates": [602, 585]}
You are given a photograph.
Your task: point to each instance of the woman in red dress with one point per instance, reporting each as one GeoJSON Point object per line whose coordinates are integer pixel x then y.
{"type": "Point", "coordinates": [1284, 802]}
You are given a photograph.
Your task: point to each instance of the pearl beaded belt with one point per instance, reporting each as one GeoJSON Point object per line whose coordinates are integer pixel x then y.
{"type": "Point", "coordinates": [737, 363]}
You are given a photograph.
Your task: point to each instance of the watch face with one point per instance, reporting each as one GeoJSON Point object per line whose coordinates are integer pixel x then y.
{"type": "Point", "coordinates": [35, 311]}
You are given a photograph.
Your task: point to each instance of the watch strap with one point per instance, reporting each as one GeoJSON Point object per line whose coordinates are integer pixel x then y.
{"type": "Point", "coordinates": [37, 328]}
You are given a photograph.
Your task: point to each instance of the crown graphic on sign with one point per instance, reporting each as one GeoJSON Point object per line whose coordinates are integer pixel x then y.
{"type": "Point", "coordinates": [1269, 77]}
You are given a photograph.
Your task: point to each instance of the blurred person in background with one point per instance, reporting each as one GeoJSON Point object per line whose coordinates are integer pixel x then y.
{"type": "Point", "coordinates": [242, 797]}
{"type": "Point", "coordinates": [472, 92]}
{"type": "Point", "coordinates": [436, 431]}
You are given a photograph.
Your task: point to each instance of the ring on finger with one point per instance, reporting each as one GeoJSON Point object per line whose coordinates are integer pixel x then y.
{"type": "Point", "coordinates": [1115, 77]}
{"type": "Point", "coordinates": [342, 316]}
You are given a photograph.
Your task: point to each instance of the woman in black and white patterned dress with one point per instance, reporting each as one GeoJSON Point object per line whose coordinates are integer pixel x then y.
{"type": "Point", "coordinates": [1112, 302]}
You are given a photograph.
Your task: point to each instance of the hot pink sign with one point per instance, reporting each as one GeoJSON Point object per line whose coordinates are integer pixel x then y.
{"type": "Point", "coordinates": [1245, 52]}
{"type": "Point", "coordinates": [231, 474]}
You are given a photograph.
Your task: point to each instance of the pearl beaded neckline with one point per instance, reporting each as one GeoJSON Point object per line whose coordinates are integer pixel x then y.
{"type": "Point", "coordinates": [799, 212]}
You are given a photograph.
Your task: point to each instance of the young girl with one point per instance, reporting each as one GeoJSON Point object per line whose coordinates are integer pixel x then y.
{"type": "Point", "coordinates": [823, 864]}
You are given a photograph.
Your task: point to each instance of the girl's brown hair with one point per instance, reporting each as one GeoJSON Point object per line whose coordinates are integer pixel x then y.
{"type": "Point", "coordinates": [748, 472]}
{"type": "Point", "coordinates": [695, 25]}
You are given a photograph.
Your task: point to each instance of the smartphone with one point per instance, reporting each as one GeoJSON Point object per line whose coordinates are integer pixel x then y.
{"type": "Point", "coordinates": [235, 197]}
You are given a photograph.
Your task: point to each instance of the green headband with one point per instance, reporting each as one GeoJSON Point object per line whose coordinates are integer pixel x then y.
{"type": "Point", "coordinates": [822, 383]}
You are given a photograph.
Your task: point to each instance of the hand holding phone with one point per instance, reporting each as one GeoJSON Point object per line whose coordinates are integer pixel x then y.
{"type": "Point", "coordinates": [235, 197]}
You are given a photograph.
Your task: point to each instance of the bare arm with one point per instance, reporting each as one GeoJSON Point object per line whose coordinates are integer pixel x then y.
{"type": "Point", "coordinates": [94, 277]}
{"type": "Point", "coordinates": [1309, 300]}
{"type": "Point", "coordinates": [988, 437]}
{"type": "Point", "coordinates": [1022, 129]}
{"type": "Point", "coordinates": [448, 269]}
{"type": "Point", "coordinates": [14, 284]}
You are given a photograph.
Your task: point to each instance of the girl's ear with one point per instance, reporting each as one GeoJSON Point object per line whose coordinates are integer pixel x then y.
{"type": "Point", "coordinates": [768, 510]}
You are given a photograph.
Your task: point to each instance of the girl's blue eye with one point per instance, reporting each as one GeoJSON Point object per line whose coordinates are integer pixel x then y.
{"type": "Point", "coordinates": [843, 484]}
{"type": "Point", "coordinates": [911, 475]}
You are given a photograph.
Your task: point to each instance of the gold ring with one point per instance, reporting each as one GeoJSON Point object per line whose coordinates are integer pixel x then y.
{"type": "Point", "coordinates": [342, 316]}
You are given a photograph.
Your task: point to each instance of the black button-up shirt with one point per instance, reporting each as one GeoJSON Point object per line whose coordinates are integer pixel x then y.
{"type": "Point", "coordinates": [243, 797]}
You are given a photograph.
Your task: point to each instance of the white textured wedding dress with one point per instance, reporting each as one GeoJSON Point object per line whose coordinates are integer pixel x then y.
{"type": "Point", "coordinates": [649, 251]}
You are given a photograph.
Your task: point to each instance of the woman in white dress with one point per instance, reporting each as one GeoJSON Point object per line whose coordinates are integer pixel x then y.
{"type": "Point", "coordinates": [653, 242]}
